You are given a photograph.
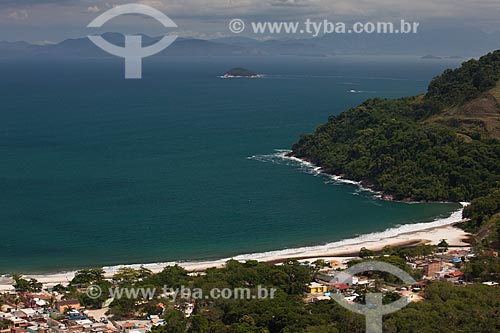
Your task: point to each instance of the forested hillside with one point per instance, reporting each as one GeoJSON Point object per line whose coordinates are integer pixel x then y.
{"type": "Point", "coordinates": [441, 146]}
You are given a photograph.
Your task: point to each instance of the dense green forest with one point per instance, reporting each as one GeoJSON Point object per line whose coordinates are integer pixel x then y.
{"type": "Point", "coordinates": [447, 308]}
{"type": "Point", "coordinates": [412, 149]}
{"type": "Point", "coordinates": [454, 87]}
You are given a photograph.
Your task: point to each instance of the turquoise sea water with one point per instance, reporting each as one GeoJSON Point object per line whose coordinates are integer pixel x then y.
{"type": "Point", "coordinates": [96, 170]}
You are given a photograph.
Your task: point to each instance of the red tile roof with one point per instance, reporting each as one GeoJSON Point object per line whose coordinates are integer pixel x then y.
{"type": "Point", "coordinates": [340, 286]}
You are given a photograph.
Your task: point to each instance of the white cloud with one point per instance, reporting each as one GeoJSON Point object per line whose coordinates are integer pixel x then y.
{"type": "Point", "coordinates": [212, 16]}
{"type": "Point", "coordinates": [291, 2]}
{"type": "Point", "coordinates": [43, 42]}
{"type": "Point", "coordinates": [326, 9]}
{"type": "Point", "coordinates": [93, 9]}
{"type": "Point", "coordinates": [19, 15]}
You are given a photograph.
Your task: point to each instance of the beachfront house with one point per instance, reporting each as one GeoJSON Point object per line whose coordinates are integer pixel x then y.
{"type": "Point", "coordinates": [316, 288]}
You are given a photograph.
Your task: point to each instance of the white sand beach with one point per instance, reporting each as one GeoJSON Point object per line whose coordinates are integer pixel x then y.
{"type": "Point", "coordinates": [407, 234]}
{"type": "Point", "coordinates": [431, 235]}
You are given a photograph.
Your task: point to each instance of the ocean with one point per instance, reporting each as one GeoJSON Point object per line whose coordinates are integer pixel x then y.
{"type": "Point", "coordinates": [183, 165]}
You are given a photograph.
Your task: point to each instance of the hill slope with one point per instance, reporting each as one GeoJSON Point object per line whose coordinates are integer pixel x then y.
{"type": "Point", "coordinates": [441, 146]}
{"type": "Point", "coordinates": [480, 116]}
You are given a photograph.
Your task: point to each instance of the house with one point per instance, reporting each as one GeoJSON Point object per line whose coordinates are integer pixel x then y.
{"type": "Point", "coordinates": [320, 298]}
{"type": "Point", "coordinates": [6, 308]}
{"type": "Point", "coordinates": [453, 276]}
{"type": "Point", "coordinates": [413, 265]}
{"type": "Point", "coordinates": [6, 285]}
{"type": "Point", "coordinates": [56, 326]}
{"type": "Point", "coordinates": [351, 298]}
{"type": "Point", "coordinates": [156, 320]}
{"type": "Point", "coordinates": [5, 316]}
{"type": "Point", "coordinates": [316, 288]}
{"type": "Point", "coordinates": [26, 313]}
{"type": "Point", "coordinates": [491, 253]}
{"type": "Point", "coordinates": [128, 327]}
{"type": "Point", "coordinates": [38, 300]}
{"type": "Point", "coordinates": [430, 269]}
{"type": "Point", "coordinates": [362, 280]}
{"type": "Point", "coordinates": [490, 283]}
{"type": "Point", "coordinates": [344, 279]}
{"type": "Point", "coordinates": [17, 330]}
{"type": "Point", "coordinates": [138, 326]}
{"type": "Point", "coordinates": [411, 297]}
{"type": "Point", "coordinates": [37, 329]}
{"type": "Point", "coordinates": [188, 310]}
{"type": "Point", "coordinates": [456, 260]}
{"type": "Point", "coordinates": [83, 322]}
{"type": "Point", "coordinates": [339, 286]}
{"type": "Point", "coordinates": [18, 322]}
{"type": "Point", "coordinates": [458, 274]}
{"type": "Point", "coordinates": [7, 289]}
{"type": "Point", "coordinates": [408, 294]}
{"type": "Point", "coordinates": [62, 306]}
{"type": "Point", "coordinates": [333, 263]}
{"type": "Point", "coordinates": [20, 314]}
{"type": "Point", "coordinates": [324, 278]}
{"type": "Point", "coordinates": [419, 285]}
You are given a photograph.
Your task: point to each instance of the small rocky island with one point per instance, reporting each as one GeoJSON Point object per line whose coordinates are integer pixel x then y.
{"type": "Point", "coordinates": [240, 72]}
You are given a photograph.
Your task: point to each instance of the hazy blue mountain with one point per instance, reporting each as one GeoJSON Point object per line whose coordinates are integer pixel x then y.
{"type": "Point", "coordinates": [245, 41]}
{"type": "Point", "coordinates": [440, 42]}
{"type": "Point", "coordinates": [83, 47]}
{"type": "Point", "coordinates": [13, 45]}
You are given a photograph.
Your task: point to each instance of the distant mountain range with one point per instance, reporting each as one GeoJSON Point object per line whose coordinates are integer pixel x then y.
{"type": "Point", "coordinates": [440, 42]}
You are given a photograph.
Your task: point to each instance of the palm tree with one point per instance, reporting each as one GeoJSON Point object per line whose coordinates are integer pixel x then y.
{"type": "Point", "coordinates": [17, 301]}
{"type": "Point", "coordinates": [69, 309]}
{"type": "Point", "coordinates": [51, 303]}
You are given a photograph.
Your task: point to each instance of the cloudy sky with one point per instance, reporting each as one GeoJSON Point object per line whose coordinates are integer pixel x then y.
{"type": "Point", "coordinates": [54, 20]}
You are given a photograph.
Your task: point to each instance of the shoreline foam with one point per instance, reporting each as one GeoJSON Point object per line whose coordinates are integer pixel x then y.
{"type": "Point", "coordinates": [424, 232]}
{"type": "Point", "coordinates": [310, 168]}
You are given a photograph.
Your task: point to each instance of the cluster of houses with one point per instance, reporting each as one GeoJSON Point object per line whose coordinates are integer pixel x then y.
{"type": "Point", "coordinates": [439, 266]}
{"type": "Point", "coordinates": [46, 312]}
{"type": "Point", "coordinates": [327, 282]}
